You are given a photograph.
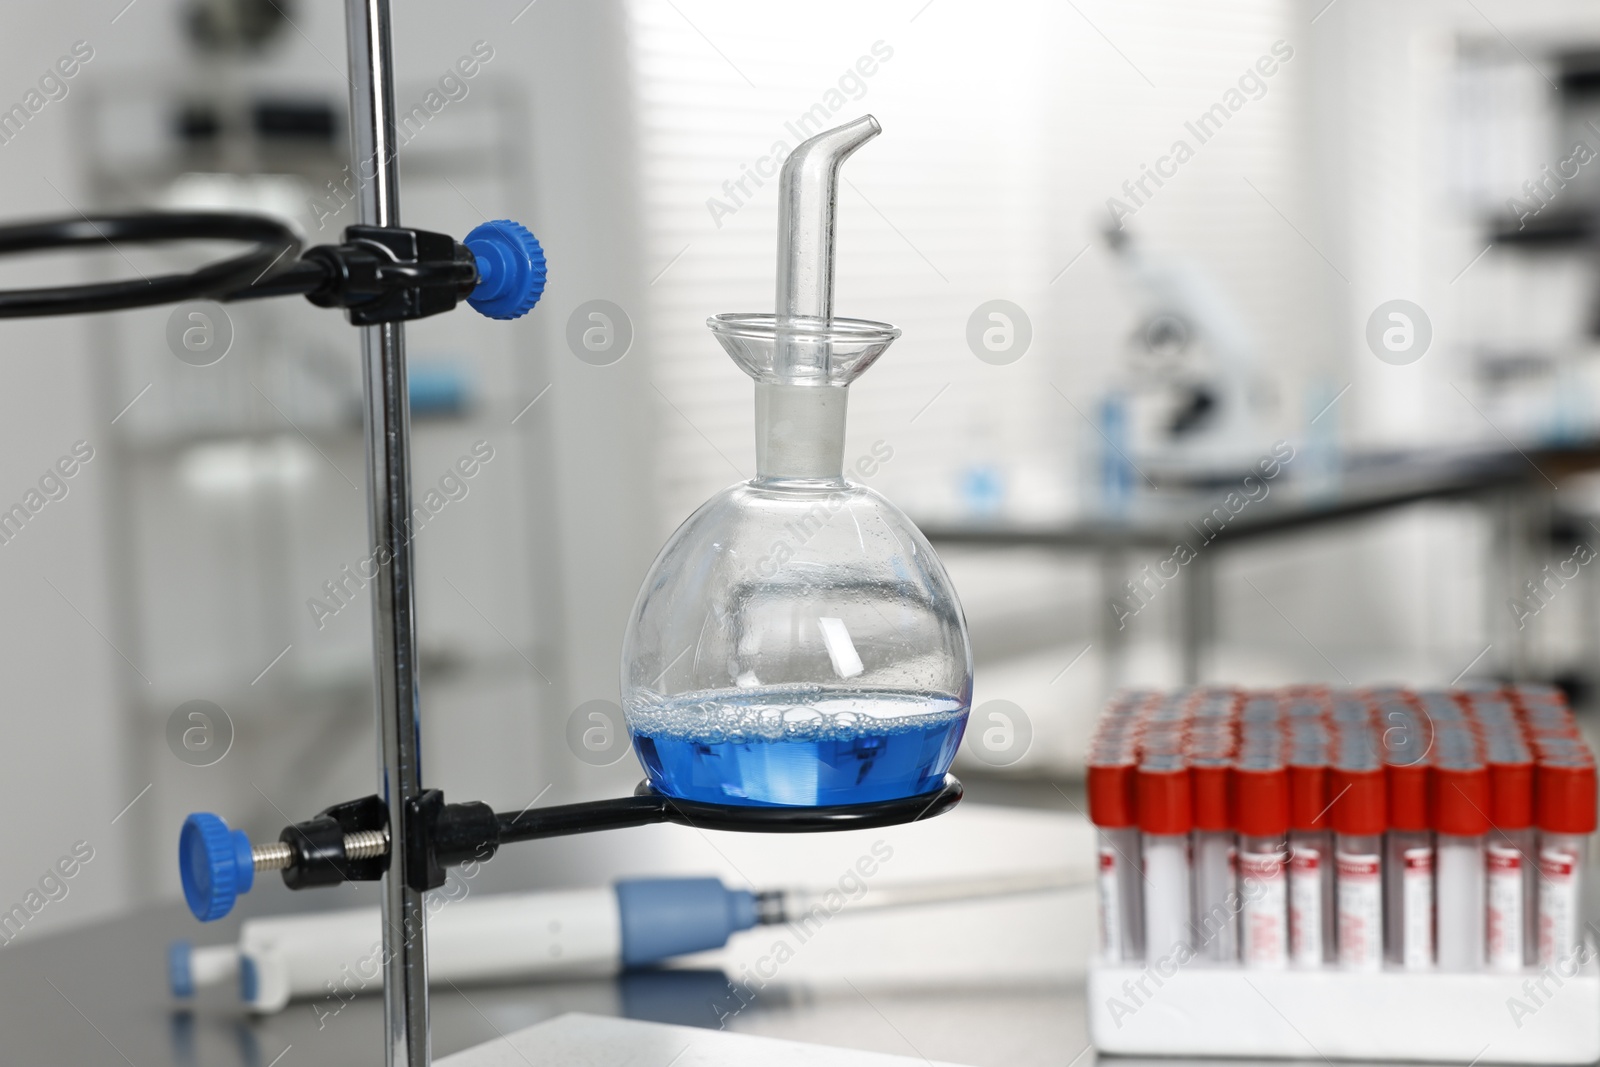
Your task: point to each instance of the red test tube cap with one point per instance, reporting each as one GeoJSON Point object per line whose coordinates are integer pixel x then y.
{"type": "Point", "coordinates": [1261, 801]}
{"type": "Point", "coordinates": [1210, 801]}
{"type": "Point", "coordinates": [1511, 795]}
{"type": "Point", "coordinates": [1566, 798]}
{"type": "Point", "coordinates": [1359, 801]}
{"type": "Point", "coordinates": [1111, 796]}
{"type": "Point", "coordinates": [1408, 796]}
{"type": "Point", "coordinates": [1308, 797]}
{"type": "Point", "coordinates": [1163, 800]}
{"type": "Point", "coordinates": [1461, 800]}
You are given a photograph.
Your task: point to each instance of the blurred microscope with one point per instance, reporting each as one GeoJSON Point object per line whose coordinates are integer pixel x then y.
{"type": "Point", "coordinates": [1189, 403]}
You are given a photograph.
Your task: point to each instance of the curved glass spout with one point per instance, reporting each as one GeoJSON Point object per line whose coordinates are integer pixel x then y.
{"type": "Point", "coordinates": [800, 361]}
{"type": "Point", "coordinates": [807, 199]}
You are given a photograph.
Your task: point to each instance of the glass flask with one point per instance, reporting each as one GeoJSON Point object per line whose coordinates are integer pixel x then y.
{"type": "Point", "coordinates": [797, 642]}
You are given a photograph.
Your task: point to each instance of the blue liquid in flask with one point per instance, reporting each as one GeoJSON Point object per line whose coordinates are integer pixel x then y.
{"type": "Point", "coordinates": [799, 746]}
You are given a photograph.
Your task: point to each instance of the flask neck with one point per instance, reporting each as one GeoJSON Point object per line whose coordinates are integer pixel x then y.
{"type": "Point", "coordinates": [800, 432]}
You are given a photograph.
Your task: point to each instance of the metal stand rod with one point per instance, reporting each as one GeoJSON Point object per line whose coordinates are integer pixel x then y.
{"type": "Point", "coordinates": [388, 435]}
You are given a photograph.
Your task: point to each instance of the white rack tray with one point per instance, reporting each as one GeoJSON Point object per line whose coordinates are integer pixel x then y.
{"type": "Point", "coordinates": [1516, 1017]}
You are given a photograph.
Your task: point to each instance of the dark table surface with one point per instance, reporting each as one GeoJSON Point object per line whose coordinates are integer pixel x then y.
{"type": "Point", "coordinates": [98, 996]}
{"type": "Point", "coordinates": [1366, 484]}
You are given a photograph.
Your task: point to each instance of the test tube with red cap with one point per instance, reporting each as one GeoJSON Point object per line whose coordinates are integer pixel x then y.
{"type": "Point", "coordinates": [1349, 708]}
{"type": "Point", "coordinates": [1525, 694]}
{"type": "Point", "coordinates": [1461, 817]}
{"type": "Point", "coordinates": [1210, 740]}
{"type": "Point", "coordinates": [1164, 805]}
{"type": "Point", "coordinates": [1311, 885]}
{"type": "Point", "coordinates": [1435, 800]}
{"type": "Point", "coordinates": [1565, 811]}
{"type": "Point", "coordinates": [1544, 715]}
{"type": "Point", "coordinates": [1163, 789]}
{"type": "Point", "coordinates": [1360, 816]}
{"type": "Point", "coordinates": [1408, 850]}
{"type": "Point", "coordinates": [1113, 761]}
{"type": "Point", "coordinates": [1261, 815]}
{"type": "Point", "coordinates": [1510, 871]}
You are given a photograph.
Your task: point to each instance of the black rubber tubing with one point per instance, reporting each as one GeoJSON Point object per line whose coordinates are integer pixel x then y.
{"type": "Point", "coordinates": [246, 274]}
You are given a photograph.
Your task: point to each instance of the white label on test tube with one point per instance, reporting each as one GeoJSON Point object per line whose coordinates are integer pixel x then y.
{"type": "Point", "coordinates": [1416, 892]}
{"type": "Point", "coordinates": [1264, 887]}
{"type": "Point", "coordinates": [1360, 892]}
{"type": "Point", "coordinates": [1504, 869]}
{"type": "Point", "coordinates": [1305, 906]}
{"type": "Point", "coordinates": [1558, 905]}
{"type": "Point", "coordinates": [1110, 908]}
{"type": "Point", "coordinates": [1167, 915]}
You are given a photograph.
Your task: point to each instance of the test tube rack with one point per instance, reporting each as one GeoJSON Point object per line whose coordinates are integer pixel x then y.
{"type": "Point", "coordinates": [1166, 1009]}
{"type": "Point", "coordinates": [1379, 874]}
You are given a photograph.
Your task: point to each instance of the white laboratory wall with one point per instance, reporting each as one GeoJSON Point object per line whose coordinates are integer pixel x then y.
{"type": "Point", "coordinates": [61, 762]}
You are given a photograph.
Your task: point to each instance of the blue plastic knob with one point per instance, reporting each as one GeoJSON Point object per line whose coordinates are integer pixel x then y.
{"type": "Point", "coordinates": [511, 269]}
{"type": "Point", "coordinates": [216, 865]}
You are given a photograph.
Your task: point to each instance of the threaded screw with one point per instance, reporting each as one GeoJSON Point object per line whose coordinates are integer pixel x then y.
{"type": "Point", "coordinates": [275, 856]}
{"type": "Point", "coordinates": [361, 845]}
{"type": "Point", "coordinates": [365, 844]}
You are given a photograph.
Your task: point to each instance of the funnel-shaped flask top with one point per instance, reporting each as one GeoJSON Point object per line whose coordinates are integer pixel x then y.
{"type": "Point", "coordinates": [802, 351]}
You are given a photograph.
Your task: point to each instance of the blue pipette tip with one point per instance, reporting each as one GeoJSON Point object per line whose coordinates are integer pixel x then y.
{"type": "Point", "coordinates": [180, 976]}
{"type": "Point", "coordinates": [215, 865]}
{"type": "Point", "coordinates": [511, 269]}
{"type": "Point", "coordinates": [249, 980]}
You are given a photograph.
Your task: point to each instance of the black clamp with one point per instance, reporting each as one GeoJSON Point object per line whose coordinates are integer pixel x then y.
{"type": "Point", "coordinates": [319, 844]}
{"type": "Point", "coordinates": [441, 835]}
{"type": "Point", "coordinates": [392, 274]}
{"type": "Point", "coordinates": [349, 842]}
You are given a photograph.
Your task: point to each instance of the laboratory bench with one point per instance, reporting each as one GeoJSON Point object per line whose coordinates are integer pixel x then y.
{"type": "Point", "coordinates": [1515, 486]}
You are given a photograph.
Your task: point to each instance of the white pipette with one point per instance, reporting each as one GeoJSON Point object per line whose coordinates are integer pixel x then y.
{"type": "Point", "coordinates": [507, 936]}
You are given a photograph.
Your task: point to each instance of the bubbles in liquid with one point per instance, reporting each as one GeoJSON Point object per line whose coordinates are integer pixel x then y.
{"type": "Point", "coordinates": [797, 745]}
